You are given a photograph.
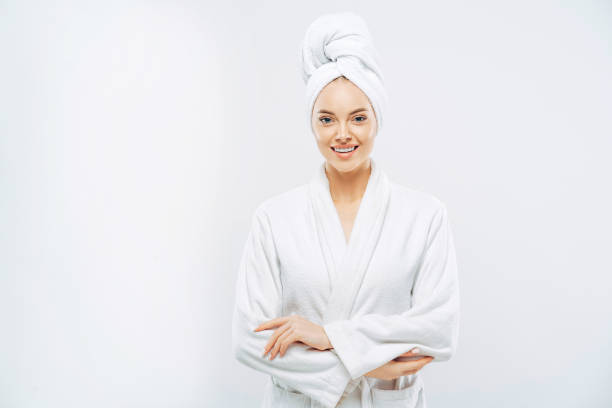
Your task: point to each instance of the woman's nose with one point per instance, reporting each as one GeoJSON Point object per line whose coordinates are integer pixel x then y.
{"type": "Point", "coordinates": [343, 134]}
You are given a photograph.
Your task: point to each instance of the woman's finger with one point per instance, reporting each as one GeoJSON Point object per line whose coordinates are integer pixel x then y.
{"type": "Point", "coordinates": [418, 364]}
{"type": "Point", "coordinates": [410, 355]}
{"type": "Point", "coordinates": [279, 343]}
{"type": "Point", "coordinates": [415, 351]}
{"type": "Point", "coordinates": [270, 324]}
{"type": "Point", "coordinates": [412, 366]}
{"type": "Point", "coordinates": [277, 333]}
{"type": "Point", "coordinates": [292, 338]}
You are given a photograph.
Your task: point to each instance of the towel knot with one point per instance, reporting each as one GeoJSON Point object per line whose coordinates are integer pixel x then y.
{"type": "Point", "coordinates": [340, 44]}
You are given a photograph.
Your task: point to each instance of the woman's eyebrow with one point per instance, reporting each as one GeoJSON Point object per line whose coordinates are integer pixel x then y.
{"type": "Point", "coordinates": [332, 113]}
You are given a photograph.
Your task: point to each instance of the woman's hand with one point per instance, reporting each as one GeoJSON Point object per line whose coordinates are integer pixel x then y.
{"type": "Point", "coordinates": [394, 368]}
{"type": "Point", "coordinates": [292, 329]}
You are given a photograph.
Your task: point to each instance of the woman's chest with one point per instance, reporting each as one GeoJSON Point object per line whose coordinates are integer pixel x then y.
{"type": "Point", "coordinates": [307, 275]}
{"type": "Point", "coordinates": [347, 213]}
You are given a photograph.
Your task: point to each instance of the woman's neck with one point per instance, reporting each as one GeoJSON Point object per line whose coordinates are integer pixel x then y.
{"type": "Point", "coordinates": [348, 187]}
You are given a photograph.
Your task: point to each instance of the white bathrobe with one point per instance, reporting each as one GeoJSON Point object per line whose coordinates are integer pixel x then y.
{"type": "Point", "coordinates": [391, 288]}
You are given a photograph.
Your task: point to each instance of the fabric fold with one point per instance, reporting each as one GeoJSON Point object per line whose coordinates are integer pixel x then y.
{"type": "Point", "coordinates": [392, 287]}
{"type": "Point", "coordinates": [318, 374]}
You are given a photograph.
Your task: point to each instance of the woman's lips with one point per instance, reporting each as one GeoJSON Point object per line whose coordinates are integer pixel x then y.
{"type": "Point", "coordinates": [346, 155]}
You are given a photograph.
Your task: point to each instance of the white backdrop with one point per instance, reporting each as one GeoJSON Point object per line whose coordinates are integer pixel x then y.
{"type": "Point", "coordinates": [136, 139]}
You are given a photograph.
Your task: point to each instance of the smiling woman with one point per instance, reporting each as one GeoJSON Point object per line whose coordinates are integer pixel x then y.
{"type": "Point", "coordinates": [342, 132]}
{"type": "Point", "coordinates": [347, 284]}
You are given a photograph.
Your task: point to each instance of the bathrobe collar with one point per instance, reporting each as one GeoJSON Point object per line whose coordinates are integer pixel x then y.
{"type": "Point", "coordinates": [347, 263]}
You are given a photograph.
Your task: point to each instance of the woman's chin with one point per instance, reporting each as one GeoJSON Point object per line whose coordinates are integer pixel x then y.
{"type": "Point", "coordinates": [345, 165]}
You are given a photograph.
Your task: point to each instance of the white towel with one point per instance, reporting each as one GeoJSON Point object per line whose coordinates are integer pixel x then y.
{"type": "Point", "coordinates": [340, 44]}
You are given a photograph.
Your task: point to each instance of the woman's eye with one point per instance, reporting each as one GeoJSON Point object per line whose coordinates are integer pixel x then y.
{"type": "Point", "coordinates": [323, 119]}
{"type": "Point", "coordinates": [357, 117]}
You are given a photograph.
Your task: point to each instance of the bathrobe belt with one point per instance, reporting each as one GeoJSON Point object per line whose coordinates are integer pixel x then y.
{"type": "Point", "coordinates": [364, 385]}
{"type": "Point", "coordinates": [362, 382]}
{"type": "Point", "coordinates": [366, 395]}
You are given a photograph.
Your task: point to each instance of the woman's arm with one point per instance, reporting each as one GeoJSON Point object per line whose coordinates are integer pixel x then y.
{"type": "Point", "coordinates": [405, 364]}
{"type": "Point", "coordinates": [431, 324]}
{"type": "Point", "coordinates": [317, 374]}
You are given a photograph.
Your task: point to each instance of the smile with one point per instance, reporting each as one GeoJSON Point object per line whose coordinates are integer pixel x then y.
{"type": "Point", "coordinates": [344, 149]}
{"type": "Point", "coordinates": [345, 153]}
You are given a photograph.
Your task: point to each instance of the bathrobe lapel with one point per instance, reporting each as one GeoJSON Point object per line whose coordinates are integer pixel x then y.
{"type": "Point", "coordinates": [347, 263]}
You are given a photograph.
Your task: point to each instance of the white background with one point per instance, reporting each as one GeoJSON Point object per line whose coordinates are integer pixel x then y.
{"type": "Point", "coordinates": [137, 138]}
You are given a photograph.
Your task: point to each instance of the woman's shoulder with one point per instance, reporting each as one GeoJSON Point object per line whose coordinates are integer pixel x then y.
{"type": "Point", "coordinates": [285, 203]}
{"type": "Point", "coordinates": [418, 200]}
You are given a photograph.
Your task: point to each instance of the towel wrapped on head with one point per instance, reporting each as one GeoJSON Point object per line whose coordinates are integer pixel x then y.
{"type": "Point", "coordinates": [340, 44]}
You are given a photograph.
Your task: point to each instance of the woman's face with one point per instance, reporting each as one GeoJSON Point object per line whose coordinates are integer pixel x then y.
{"type": "Point", "coordinates": [342, 116]}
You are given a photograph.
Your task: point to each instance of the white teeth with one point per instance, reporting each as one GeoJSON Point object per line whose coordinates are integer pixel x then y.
{"type": "Point", "coordinates": [339, 150]}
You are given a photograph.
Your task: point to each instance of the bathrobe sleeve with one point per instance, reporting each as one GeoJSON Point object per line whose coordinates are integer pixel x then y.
{"type": "Point", "coordinates": [431, 323]}
{"type": "Point", "coordinates": [318, 374]}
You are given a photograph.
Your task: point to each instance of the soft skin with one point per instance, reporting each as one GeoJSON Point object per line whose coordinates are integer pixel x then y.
{"type": "Point", "coordinates": [342, 115]}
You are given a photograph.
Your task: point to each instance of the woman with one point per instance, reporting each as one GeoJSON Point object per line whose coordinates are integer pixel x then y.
{"type": "Point", "coordinates": [348, 284]}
